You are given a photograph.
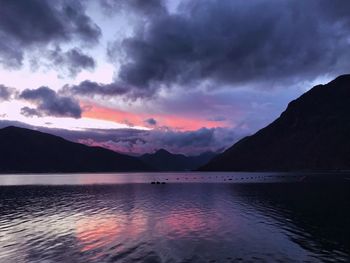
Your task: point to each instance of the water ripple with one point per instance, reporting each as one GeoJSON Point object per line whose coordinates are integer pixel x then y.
{"type": "Point", "coordinates": [175, 223]}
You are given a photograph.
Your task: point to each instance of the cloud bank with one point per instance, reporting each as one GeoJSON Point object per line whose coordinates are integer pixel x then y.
{"type": "Point", "coordinates": [49, 103]}
{"type": "Point", "coordinates": [34, 24]}
{"type": "Point", "coordinates": [233, 43]}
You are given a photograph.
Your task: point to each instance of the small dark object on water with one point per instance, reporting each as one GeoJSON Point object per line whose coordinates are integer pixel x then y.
{"type": "Point", "coordinates": [157, 182]}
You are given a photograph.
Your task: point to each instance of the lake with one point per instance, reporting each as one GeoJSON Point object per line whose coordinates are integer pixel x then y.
{"type": "Point", "coordinates": [193, 217]}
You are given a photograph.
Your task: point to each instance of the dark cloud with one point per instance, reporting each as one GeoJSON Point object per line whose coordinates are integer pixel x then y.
{"type": "Point", "coordinates": [91, 88]}
{"type": "Point", "coordinates": [49, 103]}
{"type": "Point", "coordinates": [151, 122]}
{"type": "Point", "coordinates": [236, 42]}
{"type": "Point", "coordinates": [30, 112]}
{"type": "Point", "coordinates": [36, 23]}
{"type": "Point", "coordinates": [5, 93]}
{"type": "Point", "coordinates": [74, 60]}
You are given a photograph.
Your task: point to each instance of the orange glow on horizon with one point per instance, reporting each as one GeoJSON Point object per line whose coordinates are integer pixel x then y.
{"type": "Point", "coordinates": [167, 120]}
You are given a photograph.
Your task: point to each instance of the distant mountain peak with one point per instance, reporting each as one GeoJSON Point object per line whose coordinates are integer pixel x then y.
{"type": "Point", "coordinates": [163, 160]}
{"type": "Point", "coordinates": [162, 151]}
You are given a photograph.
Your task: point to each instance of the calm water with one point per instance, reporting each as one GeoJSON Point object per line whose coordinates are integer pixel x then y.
{"type": "Point", "coordinates": [214, 217]}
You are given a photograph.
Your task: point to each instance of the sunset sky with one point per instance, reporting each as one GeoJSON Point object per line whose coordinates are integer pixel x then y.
{"type": "Point", "coordinates": [187, 76]}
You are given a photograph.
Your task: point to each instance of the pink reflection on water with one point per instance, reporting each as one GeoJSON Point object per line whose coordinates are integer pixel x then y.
{"type": "Point", "coordinates": [94, 232]}
{"type": "Point", "coordinates": [98, 231]}
{"type": "Point", "coordinates": [189, 221]}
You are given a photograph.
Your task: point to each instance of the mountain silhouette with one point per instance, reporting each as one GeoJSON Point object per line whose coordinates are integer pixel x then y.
{"type": "Point", "coordinates": [30, 151]}
{"type": "Point", "coordinates": [313, 133]}
{"type": "Point", "coordinates": [163, 160]}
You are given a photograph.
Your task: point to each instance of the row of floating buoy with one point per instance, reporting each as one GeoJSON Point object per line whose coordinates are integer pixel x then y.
{"type": "Point", "coordinates": [225, 178]}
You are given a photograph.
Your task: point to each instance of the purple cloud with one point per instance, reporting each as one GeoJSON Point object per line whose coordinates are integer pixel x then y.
{"type": "Point", "coordinates": [49, 103]}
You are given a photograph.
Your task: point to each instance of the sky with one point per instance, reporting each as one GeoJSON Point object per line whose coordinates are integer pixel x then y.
{"type": "Point", "coordinates": [188, 76]}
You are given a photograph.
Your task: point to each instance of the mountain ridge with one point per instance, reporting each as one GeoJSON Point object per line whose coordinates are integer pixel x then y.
{"type": "Point", "coordinates": [25, 151]}
{"type": "Point", "coordinates": [311, 134]}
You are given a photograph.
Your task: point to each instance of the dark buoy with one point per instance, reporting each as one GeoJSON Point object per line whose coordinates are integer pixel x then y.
{"type": "Point", "coordinates": [157, 182]}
